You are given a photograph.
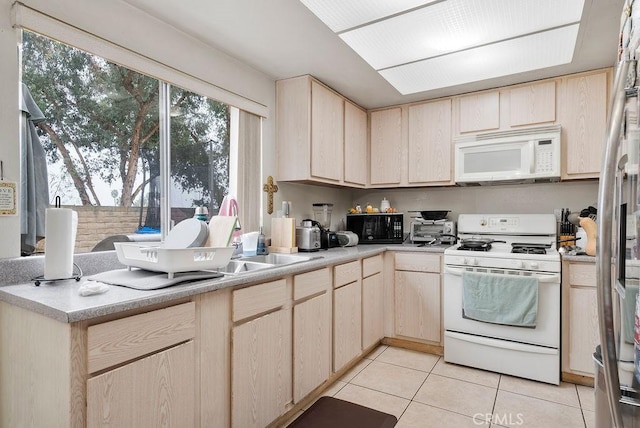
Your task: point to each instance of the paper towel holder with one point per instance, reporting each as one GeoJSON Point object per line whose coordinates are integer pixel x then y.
{"type": "Point", "coordinates": [77, 274]}
{"type": "Point", "coordinates": [77, 271]}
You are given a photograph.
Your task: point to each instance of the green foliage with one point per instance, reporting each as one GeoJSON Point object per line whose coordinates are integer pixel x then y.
{"type": "Point", "coordinates": [103, 121]}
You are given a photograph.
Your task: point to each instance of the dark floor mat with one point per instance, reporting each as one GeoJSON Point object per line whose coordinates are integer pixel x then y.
{"type": "Point", "coordinates": [329, 412]}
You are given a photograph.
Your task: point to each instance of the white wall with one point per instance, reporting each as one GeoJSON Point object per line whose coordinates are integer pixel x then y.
{"type": "Point", "coordinates": [9, 125]}
{"type": "Point", "coordinates": [505, 198]}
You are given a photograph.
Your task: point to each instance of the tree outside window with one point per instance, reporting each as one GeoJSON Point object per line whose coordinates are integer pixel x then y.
{"type": "Point", "coordinates": [101, 135]}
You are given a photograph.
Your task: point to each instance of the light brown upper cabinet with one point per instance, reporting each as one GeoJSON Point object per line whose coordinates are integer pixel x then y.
{"type": "Point", "coordinates": [309, 131]}
{"type": "Point", "coordinates": [430, 143]}
{"type": "Point", "coordinates": [583, 116]}
{"type": "Point", "coordinates": [355, 145]}
{"type": "Point", "coordinates": [479, 112]}
{"type": "Point", "coordinates": [386, 143]}
{"type": "Point", "coordinates": [532, 104]}
{"type": "Point", "coordinates": [506, 108]}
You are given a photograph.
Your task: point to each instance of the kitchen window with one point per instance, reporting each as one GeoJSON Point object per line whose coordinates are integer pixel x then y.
{"type": "Point", "coordinates": [101, 136]}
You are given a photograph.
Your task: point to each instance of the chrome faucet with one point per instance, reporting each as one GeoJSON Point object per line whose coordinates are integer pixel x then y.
{"type": "Point", "coordinates": [234, 211]}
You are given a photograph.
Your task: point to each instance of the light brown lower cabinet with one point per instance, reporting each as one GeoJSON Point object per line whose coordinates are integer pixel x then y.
{"type": "Point", "coordinates": [580, 317]}
{"type": "Point", "coordinates": [239, 357]}
{"type": "Point", "coordinates": [417, 296]}
{"type": "Point", "coordinates": [347, 313]}
{"type": "Point", "coordinates": [347, 323]}
{"type": "Point", "coordinates": [372, 301]}
{"type": "Point", "coordinates": [154, 391]}
{"type": "Point", "coordinates": [311, 331]}
{"type": "Point", "coordinates": [261, 370]}
{"type": "Point", "coordinates": [261, 354]}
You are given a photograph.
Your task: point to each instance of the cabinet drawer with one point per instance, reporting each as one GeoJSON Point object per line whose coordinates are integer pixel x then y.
{"type": "Point", "coordinates": [310, 283]}
{"type": "Point", "coordinates": [371, 265]}
{"type": "Point", "coordinates": [258, 299]}
{"type": "Point", "coordinates": [346, 273]}
{"type": "Point", "coordinates": [417, 262]}
{"type": "Point", "coordinates": [582, 274]}
{"type": "Point", "coordinates": [115, 342]}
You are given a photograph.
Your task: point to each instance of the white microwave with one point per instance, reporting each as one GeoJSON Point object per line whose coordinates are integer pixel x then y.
{"type": "Point", "coordinates": [522, 155]}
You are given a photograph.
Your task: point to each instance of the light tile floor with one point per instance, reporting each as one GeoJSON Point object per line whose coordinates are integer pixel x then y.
{"type": "Point", "coordinates": [421, 390]}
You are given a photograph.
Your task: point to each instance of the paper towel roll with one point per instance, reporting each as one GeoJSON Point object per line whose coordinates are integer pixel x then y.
{"type": "Point", "coordinates": [60, 228]}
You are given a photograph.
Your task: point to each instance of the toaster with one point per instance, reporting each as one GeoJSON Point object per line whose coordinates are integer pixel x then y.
{"type": "Point", "coordinates": [347, 238]}
{"type": "Point", "coordinates": [308, 238]}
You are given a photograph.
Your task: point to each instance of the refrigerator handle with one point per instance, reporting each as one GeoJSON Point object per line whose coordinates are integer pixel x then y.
{"type": "Point", "coordinates": [606, 192]}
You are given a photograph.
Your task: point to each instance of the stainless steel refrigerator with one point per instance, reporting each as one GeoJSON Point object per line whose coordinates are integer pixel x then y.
{"type": "Point", "coordinates": [617, 379]}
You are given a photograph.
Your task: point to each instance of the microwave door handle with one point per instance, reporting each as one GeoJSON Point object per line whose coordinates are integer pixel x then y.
{"type": "Point", "coordinates": [532, 156]}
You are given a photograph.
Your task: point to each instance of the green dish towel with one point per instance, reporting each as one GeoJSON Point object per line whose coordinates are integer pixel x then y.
{"type": "Point", "coordinates": [500, 299]}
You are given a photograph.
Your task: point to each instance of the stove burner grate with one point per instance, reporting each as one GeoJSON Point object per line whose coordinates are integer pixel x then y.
{"type": "Point", "coordinates": [484, 247]}
{"type": "Point", "coordinates": [528, 250]}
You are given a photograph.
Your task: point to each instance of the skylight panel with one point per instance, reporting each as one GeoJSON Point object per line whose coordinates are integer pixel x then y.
{"type": "Point", "coordinates": [540, 50]}
{"type": "Point", "coordinates": [340, 15]}
{"type": "Point", "coordinates": [454, 25]}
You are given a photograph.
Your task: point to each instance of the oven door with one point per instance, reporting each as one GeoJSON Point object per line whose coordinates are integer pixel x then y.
{"type": "Point", "coordinates": [547, 330]}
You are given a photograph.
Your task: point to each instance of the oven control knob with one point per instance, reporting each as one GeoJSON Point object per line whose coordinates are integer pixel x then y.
{"type": "Point", "coordinates": [534, 265]}
{"type": "Point", "coordinates": [474, 261]}
{"type": "Point", "coordinates": [465, 261]}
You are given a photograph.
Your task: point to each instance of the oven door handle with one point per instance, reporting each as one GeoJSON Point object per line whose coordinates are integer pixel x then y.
{"type": "Point", "coordinates": [541, 278]}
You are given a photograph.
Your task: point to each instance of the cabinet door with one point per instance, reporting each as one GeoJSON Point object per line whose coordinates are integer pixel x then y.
{"type": "Point", "coordinates": [347, 324]}
{"type": "Point", "coordinates": [261, 369]}
{"type": "Point", "coordinates": [155, 391]}
{"type": "Point", "coordinates": [311, 345]}
{"type": "Point", "coordinates": [584, 121]}
{"type": "Point", "coordinates": [583, 328]}
{"type": "Point", "coordinates": [372, 310]}
{"type": "Point", "coordinates": [386, 154]}
{"type": "Point", "coordinates": [418, 305]}
{"type": "Point", "coordinates": [355, 144]}
{"type": "Point", "coordinates": [293, 128]}
{"type": "Point", "coordinates": [479, 112]}
{"type": "Point", "coordinates": [532, 104]}
{"type": "Point", "coordinates": [327, 138]}
{"type": "Point", "coordinates": [430, 142]}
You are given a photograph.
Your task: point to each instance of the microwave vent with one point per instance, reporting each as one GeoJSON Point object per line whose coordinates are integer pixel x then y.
{"type": "Point", "coordinates": [488, 136]}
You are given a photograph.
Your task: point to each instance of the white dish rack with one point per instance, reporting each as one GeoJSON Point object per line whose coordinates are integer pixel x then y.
{"type": "Point", "coordinates": [172, 260]}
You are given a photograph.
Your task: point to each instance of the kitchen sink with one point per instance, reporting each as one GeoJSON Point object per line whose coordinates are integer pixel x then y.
{"type": "Point", "coordinates": [279, 259]}
{"type": "Point", "coordinates": [235, 267]}
{"type": "Point", "coordinates": [255, 263]}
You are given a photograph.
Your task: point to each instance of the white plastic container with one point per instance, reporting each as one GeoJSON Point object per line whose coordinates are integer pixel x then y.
{"type": "Point", "coordinates": [250, 243]}
{"type": "Point", "coordinates": [384, 205]}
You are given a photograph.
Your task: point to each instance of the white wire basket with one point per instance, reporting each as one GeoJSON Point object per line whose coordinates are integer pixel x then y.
{"type": "Point", "coordinates": [172, 260]}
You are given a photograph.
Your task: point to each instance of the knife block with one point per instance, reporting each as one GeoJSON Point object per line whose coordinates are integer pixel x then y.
{"type": "Point", "coordinates": [283, 235]}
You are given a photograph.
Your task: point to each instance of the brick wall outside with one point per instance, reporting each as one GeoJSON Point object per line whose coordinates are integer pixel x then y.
{"type": "Point", "coordinates": [98, 223]}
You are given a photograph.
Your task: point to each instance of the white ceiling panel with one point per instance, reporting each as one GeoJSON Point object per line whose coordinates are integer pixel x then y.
{"type": "Point", "coordinates": [454, 25]}
{"type": "Point", "coordinates": [537, 51]}
{"type": "Point", "coordinates": [283, 38]}
{"type": "Point", "coordinates": [340, 15]}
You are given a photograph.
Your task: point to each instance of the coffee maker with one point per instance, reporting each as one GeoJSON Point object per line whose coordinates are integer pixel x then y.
{"type": "Point", "coordinates": [322, 215]}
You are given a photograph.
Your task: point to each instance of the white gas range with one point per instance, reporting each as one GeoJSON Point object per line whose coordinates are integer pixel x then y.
{"type": "Point", "coordinates": [513, 258]}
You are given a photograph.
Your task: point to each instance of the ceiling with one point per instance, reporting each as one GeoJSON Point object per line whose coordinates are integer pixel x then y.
{"type": "Point", "coordinates": [282, 38]}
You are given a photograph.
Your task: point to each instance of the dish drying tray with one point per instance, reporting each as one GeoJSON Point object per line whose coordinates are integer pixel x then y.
{"type": "Point", "coordinates": [172, 260]}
